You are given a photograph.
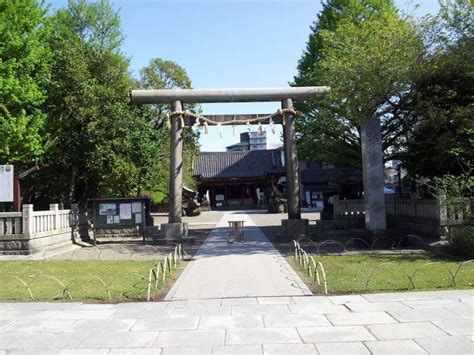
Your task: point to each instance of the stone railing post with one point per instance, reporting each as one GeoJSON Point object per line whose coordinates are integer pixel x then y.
{"type": "Point", "coordinates": [74, 215]}
{"type": "Point", "coordinates": [55, 208]}
{"type": "Point", "coordinates": [28, 226]}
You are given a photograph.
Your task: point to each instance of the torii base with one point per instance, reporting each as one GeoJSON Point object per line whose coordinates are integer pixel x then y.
{"type": "Point", "coordinates": [294, 227]}
{"type": "Point", "coordinates": [174, 230]}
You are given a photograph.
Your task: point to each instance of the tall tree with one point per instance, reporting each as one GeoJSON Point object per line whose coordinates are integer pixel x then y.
{"type": "Point", "coordinates": [24, 72]}
{"type": "Point", "coordinates": [98, 144]}
{"type": "Point", "coordinates": [442, 139]}
{"type": "Point", "coordinates": [165, 74]}
{"type": "Point", "coordinates": [368, 53]}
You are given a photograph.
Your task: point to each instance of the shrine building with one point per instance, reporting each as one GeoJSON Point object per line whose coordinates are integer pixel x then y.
{"type": "Point", "coordinates": [246, 179]}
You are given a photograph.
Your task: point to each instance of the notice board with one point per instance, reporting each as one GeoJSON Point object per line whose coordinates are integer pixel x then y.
{"type": "Point", "coordinates": [119, 213]}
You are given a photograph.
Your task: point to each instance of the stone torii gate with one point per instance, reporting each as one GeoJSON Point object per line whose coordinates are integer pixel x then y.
{"type": "Point", "coordinates": [371, 147]}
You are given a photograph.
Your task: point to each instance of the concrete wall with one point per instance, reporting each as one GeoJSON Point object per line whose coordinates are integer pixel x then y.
{"type": "Point", "coordinates": [23, 244]}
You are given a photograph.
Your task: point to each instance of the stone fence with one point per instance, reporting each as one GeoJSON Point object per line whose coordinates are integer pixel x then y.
{"type": "Point", "coordinates": [32, 231]}
{"type": "Point", "coordinates": [423, 216]}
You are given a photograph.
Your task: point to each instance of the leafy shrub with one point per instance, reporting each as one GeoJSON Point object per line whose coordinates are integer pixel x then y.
{"type": "Point", "coordinates": [462, 241]}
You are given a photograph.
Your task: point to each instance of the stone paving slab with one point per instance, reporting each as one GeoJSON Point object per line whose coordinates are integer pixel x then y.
{"type": "Point", "coordinates": [260, 309]}
{"type": "Point", "coordinates": [237, 349]}
{"type": "Point", "coordinates": [284, 349]}
{"type": "Point", "coordinates": [357, 324]}
{"type": "Point", "coordinates": [231, 322]}
{"type": "Point", "coordinates": [405, 330]}
{"type": "Point", "coordinates": [295, 320]}
{"type": "Point", "coordinates": [165, 323]}
{"type": "Point", "coordinates": [190, 338]}
{"type": "Point", "coordinates": [427, 314]}
{"type": "Point", "coordinates": [353, 348]}
{"type": "Point", "coordinates": [319, 309]}
{"type": "Point", "coordinates": [261, 336]}
{"type": "Point", "coordinates": [125, 340]}
{"type": "Point", "coordinates": [45, 326]}
{"type": "Point", "coordinates": [447, 345]}
{"type": "Point", "coordinates": [221, 269]}
{"type": "Point", "coordinates": [378, 306]}
{"type": "Point", "coordinates": [395, 347]}
{"type": "Point", "coordinates": [334, 334]}
{"type": "Point", "coordinates": [185, 350]}
{"type": "Point", "coordinates": [457, 327]}
{"type": "Point", "coordinates": [361, 318]}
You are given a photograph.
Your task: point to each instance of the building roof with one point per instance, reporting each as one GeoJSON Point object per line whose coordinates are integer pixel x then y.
{"type": "Point", "coordinates": [238, 164]}
{"type": "Point", "coordinates": [321, 175]}
{"type": "Point", "coordinates": [238, 145]}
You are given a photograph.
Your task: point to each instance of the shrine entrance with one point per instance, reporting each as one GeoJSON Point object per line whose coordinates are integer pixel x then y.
{"type": "Point", "coordinates": [180, 118]}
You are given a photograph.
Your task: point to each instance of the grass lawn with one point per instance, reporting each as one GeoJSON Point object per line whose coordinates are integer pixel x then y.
{"type": "Point", "coordinates": [389, 272]}
{"type": "Point", "coordinates": [125, 280]}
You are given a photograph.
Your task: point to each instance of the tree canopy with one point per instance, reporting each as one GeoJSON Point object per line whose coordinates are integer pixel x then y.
{"type": "Point", "coordinates": [24, 71]}
{"type": "Point", "coordinates": [415, 76]}
{"type": "Point", "coordinates": [165, 74]}
{"type": "Point", "coordinates": [96, 144]}
{"type": "Point", "coordinates": [442, 137]}
{"type": "Point", "coordinates": [368, 53]}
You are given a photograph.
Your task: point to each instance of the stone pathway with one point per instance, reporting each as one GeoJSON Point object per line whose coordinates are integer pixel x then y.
{"type": "Point", "coordinates": [393, 323]}
{"type": "Point", "coordinates": [222, 269]}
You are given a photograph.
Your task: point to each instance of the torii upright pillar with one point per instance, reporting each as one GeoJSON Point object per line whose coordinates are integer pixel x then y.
{"type": "Point", "coordinates": [294, 224]}
{"type": "Point", "coordinates": [175, 228]}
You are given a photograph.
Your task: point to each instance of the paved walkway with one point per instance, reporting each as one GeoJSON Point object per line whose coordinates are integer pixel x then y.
{"type": "Point", "coordinates": [392, 323]}
{"type": "Point", "coordinates": [221, 269]}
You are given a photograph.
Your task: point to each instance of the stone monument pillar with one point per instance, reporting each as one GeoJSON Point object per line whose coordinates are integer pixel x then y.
{"type": "Point", "coordinates": [373, 172]}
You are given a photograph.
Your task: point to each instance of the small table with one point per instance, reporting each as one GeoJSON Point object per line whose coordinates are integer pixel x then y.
{"type": "Point", "coordinates": [236, 231]}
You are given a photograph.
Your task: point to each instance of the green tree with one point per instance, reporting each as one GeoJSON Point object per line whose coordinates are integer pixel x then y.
{"type": "Point", "coordinates": [442, 98]}
{"type": "Point", "coordinates": [98, 145]}
{"type": "Point", "coordinates": [165, 74]}
{"type": "Point", "coordinates": [368, 53]}
{"type": "Point", "coordinates": [24, 72]}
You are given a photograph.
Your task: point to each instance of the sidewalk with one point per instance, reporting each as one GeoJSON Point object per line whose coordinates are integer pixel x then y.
{"type": "Point", "coordinates": [393, 323]}
{"type": "Point", "coordinates": [221, 269]}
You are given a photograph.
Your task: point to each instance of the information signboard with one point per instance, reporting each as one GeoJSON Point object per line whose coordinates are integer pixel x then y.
{"type": "Point", "coordinates": [6, 183]}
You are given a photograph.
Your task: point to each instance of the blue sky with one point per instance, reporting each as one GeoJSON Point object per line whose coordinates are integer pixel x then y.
{"type": "Point", "coordinates": [226, 43]}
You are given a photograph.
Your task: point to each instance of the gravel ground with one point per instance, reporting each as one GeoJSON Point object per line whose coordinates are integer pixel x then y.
{"type": "Point", "coordinates": [133, 250]}
{"type": "Point", "coordinates": [211, 217]}
{"type": "Point", "coordinates": [199, 228]}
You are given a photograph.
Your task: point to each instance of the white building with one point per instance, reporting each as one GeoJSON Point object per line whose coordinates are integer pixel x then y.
{"type": "Point", "coordinates": [258, 141]}
{"type": "Point", "coordinates": [250, 141]}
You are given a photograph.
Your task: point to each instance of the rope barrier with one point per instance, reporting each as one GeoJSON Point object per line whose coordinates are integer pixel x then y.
{"type": "Point", "coordinates": [198, 118]}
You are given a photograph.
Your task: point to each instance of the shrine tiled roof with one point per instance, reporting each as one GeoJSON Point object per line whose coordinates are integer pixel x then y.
{"type": "Point", "coordinates": [239, 164]}
{"type": "Point", "coordinates": [322, 175]}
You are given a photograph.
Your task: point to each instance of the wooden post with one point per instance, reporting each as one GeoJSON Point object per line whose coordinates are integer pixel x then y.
{"type": "Point", "coordinates": [143, 221]}
{"type": "Point", "coordinates": [16, 194]}
{"type": "Point", "coordinates": [176, 166]}
{"type": "Point", "coordinates": [291, 163]}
